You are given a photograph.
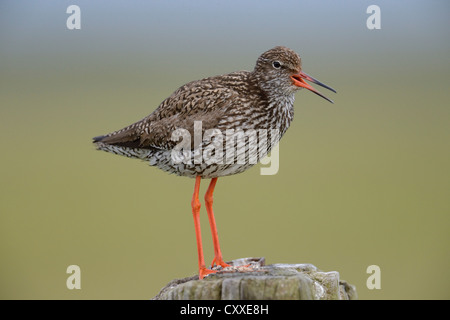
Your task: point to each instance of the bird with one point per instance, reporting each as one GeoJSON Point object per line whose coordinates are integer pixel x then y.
{"type": "Point", "coordinates": [200, 112]}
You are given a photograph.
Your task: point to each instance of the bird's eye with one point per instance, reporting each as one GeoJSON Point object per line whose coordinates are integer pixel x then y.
{"type": "Point", "coordinates": [276, 64]}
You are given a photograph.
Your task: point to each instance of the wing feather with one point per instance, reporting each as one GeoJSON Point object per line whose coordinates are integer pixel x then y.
{"type": "Point", "coordinates": [196, 101]}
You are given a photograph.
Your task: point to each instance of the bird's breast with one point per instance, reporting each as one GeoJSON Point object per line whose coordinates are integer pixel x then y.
{"type": "Point", "coordinates": [281, 113]}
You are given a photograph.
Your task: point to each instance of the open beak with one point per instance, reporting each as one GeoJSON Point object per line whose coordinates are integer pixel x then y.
{"type": "Point", "coordinates": [299, 81]}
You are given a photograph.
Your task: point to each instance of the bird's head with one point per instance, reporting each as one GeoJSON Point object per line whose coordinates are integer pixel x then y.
{"type": "Point", "coordinates": [279, 71]}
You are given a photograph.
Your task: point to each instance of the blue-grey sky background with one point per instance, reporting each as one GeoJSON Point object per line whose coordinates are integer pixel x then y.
{"type": "Point", "coordinates": [364, 181]}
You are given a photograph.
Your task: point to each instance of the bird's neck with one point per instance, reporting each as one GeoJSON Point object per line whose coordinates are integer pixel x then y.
{"type": "Point", "coordinates": [281, 112]}
{"type": "Point", "coordinates": [278, 104]}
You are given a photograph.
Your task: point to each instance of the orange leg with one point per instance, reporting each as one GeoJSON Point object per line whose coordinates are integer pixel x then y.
{"type": "Point", "coordinates": [202, 270]}
{"type": "Point", "coordinates": [218, 260]}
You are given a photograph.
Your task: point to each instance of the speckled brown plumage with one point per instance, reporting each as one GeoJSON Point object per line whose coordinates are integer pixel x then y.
{"type": "Point", "coordinates": [243, 100]}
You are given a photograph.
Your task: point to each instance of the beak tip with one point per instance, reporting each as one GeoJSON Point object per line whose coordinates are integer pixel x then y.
{"type": "Point", "coordinates": [298, 81]}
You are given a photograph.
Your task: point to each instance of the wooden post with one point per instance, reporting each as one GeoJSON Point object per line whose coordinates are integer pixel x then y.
{"type": "Point", "coordinates": [251, 279]}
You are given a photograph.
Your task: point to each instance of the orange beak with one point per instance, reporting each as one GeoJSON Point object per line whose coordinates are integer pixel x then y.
{"type": "Point", "coordinates": [299, 82]}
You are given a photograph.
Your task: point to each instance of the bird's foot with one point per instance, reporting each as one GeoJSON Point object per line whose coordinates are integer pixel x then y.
{"type": "Point", "coordinates": [218, 261]}
{"type": "Point", "coordinates": [203, 272]}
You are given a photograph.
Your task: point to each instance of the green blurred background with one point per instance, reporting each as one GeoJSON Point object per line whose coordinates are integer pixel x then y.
{"type": "Point", "coordinates": [364, 181]}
